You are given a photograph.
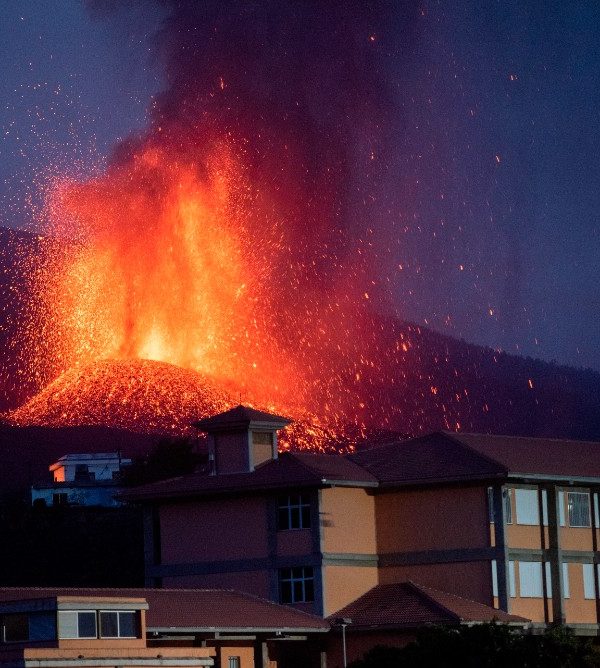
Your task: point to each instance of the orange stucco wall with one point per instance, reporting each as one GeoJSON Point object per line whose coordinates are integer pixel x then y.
{"type": "Point", "coordinates": [579, 539]}
{"type": "Point", "coordinates": [577, 608]}
{"type": "Point", "coordinates": [347, 517]}
{"type": "Point", "coordinates": [246, 655]}
{"type": "Point", "coordinates": [471, 579]}
{"type": "Point", "coordinates": [531, 608]}
{"type": "Point", "coordinates": [432, 519]}
{"type": "Point", "coordinates": [188, 530]}
{"type": "Point", "coordinates": [525, 536]}
{"type": "Point", "coordinates": [344, 584]}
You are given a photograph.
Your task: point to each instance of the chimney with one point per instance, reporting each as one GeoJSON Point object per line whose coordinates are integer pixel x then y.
{"type": "Point", "coordinates": [241, 438]}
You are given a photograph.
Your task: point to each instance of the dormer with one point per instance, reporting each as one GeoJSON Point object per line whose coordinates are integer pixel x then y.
{"type": "Point", "coordinates": [241, 438]}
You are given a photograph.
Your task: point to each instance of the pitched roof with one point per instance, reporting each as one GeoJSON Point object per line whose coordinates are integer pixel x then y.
{"type": "Point", "coordinates": [239, 417]}
{"type": "Point", "coordinates": [426, 459]}
{"type": "Point", "coordinates": [288, 470]}
{"type": "Point", "coordinates": [193, 609]}
{"type": "Point", "coordinates": [407, 604]}
{"type": "Point", "coordinates": [440, 457]}
{"type": "Point", "coordinates": [540, 456]}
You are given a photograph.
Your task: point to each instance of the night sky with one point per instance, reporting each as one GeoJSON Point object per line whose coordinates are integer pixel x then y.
{"type": "Point", "coordinates": [484, 196]}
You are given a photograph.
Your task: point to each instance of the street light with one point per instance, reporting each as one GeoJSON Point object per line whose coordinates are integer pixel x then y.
{"type": "Point", "coordinates": [343, 622]}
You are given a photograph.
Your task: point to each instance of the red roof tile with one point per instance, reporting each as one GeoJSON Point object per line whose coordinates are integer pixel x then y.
{"type": "Point", "coordinates": [180, 609]}
{"type": "Point", "coordinates": [541, 456]}
{"type": "Point", "coordinates": [238, 417]}
{"type": "Point", "coordinates": [431, 458]}
{"type": "Point", "coordinates": [434, 458]}
{"type": "Point", "coordinates": [289, 470]}
{"type": "Point", "coordinates": [407, 604]}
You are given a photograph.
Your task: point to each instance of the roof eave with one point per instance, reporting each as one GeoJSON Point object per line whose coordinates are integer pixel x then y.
{"type": "Point", "coordinates": [550, 477]}
{"type": "Point", "coordinates": [238, 629]}
{"type": "Point", "coordinates": [425, 482]}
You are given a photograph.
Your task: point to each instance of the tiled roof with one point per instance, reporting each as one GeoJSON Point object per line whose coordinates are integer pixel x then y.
{"type": "Point", "coordinates": [201, 609]}
{"type": "Point", "coordinates": [289, 470]}
{"type": "Point", "coordinates": [541, 456]}
{"type": "Point", "coordinates": [240, 416]}
{"type": "Point", "coordinates": [435, 457]}
{"type": "Point", "coordinates": [407, 604]}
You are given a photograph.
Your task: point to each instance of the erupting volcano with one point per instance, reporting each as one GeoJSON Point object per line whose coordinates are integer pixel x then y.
{"type": "Point", "coordinates": [243, 249]}
{"type": "Point", "coordinates": [219, 242]}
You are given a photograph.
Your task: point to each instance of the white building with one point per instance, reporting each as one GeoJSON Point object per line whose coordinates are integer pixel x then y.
{"type": "Point", "coordinates": [82, 479]}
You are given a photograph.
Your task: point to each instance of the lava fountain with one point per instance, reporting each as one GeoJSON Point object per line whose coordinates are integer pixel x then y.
{"type": "Point", "coordinates": [224, 240]}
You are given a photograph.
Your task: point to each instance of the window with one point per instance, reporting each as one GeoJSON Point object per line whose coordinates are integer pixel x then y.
{"type": "Point", "coordinates": [16, 628]}
{"type": "Point", "coordinates": [60, 499]}
{"type": "Point", "coordinates": [589, 587]}
{"type": "Point", "coordinates": [262, 438]}
{"type": "Point", "coordinates": [293, 512]}
{"type": "Point", "coordinates": [494, 578]}
{"type": "Point", "coordinates": [76, 624]}
{"type": "Point", "coordinates": [233, 662]}
{"type": "Point", "coordinates": [506, 502]}
{"type": "Point", "coordinates": [296, 585]}
{"type": "Point", "coordinates": [32, 626]}
{"type": "Point", "coordinates": [578, 504]}
{"type": "Point", "coordinates": [565, 574]}
{"type": "Point", "coordinates": [506, 494]}
{"type": "Point", "coordinates": [561, 508]}
{"type": "Point", "coordinates": [118, 624]}
{"type": "Point", "coordinates": [512, 585]}
{"type": "Point", "coordinates": [565, 579]}
{"type": "Point", "coordinates": [42, 626]}
{"type": "Point", "coordinates": [527, 504]}
{"type": "Point", "coordinates": [530, 579]}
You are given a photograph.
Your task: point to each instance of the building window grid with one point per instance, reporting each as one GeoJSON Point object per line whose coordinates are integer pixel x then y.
{"type": "Point", "coordinates": [296, 584]}
{"type": "Point", "coordinates": [589, 586]}
{"type": "Point", "coordinates": [293, 512]}
{"type": "Point", "coordinates": [118, 624]}
{"type": "Point", "coordinates": [74, 624]}
{"type": "Point", "coordinates": [527, 506]}
{"type": "Point", "coordinates": [578, 505]}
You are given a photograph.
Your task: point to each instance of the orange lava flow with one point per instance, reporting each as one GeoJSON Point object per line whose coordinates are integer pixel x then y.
{"type": "Point", "coordinates": [179, 261]}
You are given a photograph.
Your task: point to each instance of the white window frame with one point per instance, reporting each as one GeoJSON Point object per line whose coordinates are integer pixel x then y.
{"type": "Point", "coordinates": [527, 506]}
{"type": "Point", "coordinates": [565, 579]}
{"type": "Point", "coordinates": [570, 499]}
{"type": "Point", "coordinates": [530, 579]}
{"type": "Point", "coordinates": [76, 612]}
{"type": "Point", "coordinates": [589, 585]}
{"type": "Point", "coordinates": [512, 580]}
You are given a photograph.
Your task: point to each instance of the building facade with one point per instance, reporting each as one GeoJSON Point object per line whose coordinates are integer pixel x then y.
{"type": "Point", "coordinates": [507, 522]}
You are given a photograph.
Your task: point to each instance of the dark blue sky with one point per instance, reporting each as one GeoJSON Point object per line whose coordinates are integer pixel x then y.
{"type": "Point", "coordinates": [489, 197]}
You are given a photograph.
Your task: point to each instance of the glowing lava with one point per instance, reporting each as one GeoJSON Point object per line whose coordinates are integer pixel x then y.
{"type": "Point", "coordinates": [162, 265]}
{"type": "Point", "coordinates": [181, 261]}
{"type": "Point", "coordinates": [148, 397]}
